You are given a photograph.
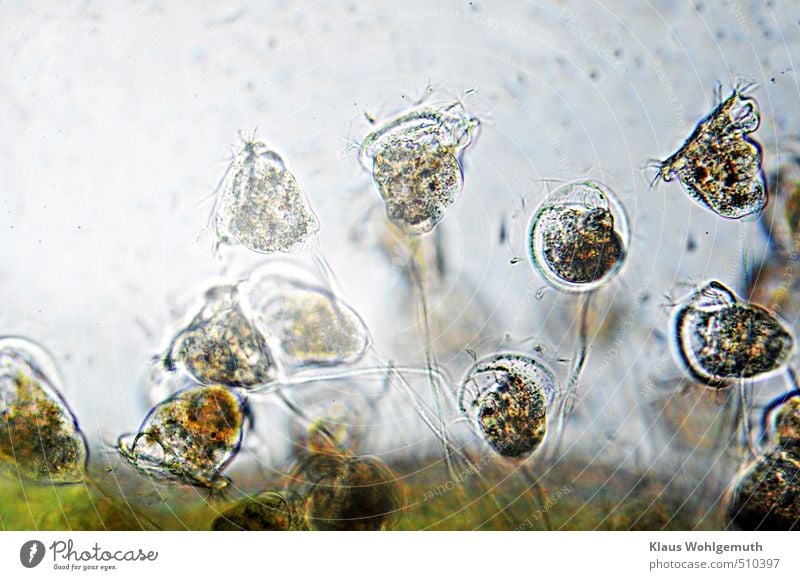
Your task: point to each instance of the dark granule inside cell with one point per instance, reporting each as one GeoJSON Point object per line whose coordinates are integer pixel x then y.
{"type": "Point", "coordinates": [719, 165]}
{"type": "Point", "coordinates": [418, 182]}
{"type": "Point", "coordinates": [767, 496]}
{"type": "Point", "coordinates": [348, 493]}
{"type": "Point", "coordinates": [512, 415]}
{"type": "Point", "coordinates": [737, 341]}
{"type": "Point", "coordinates": [580, 246]}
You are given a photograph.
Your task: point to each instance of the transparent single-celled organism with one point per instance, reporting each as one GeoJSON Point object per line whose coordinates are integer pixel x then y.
{"type": "Point", "coordinates": [332, 418]}
{"type": "Point", "coordinates": [161, 383]}
{"type": "Point", "coordinates": [415, 160]}
{"type": "Point", "coordinates": [773, 279]}
{"type": "Point", "coordinates": [721, 338]}
{"type": "Point", "coordinates": [345, 492]}
{"type": "Point", "coordinates": [719, 165]}
{"type": "Point", "coordinates": [506, 396]}
{"type": "Point", "coordinates": [39, 435]}
{"type": "Point", "coordinates": [578, 238]}
{"type": "Point", "coordinates": [691, 417]}
{"type": "Point", "coordinates": [781, 219]}
{"type": "Point", "coordinates": [766, 495]}
{"type": "Point", "coordinates": [221, 344]}
{"type": "Point", "coordinates": [578, 241]}
{"type": "Point", "coordinates": [307, 324]}
{"type": "Point", "coordinates": [268, 334]}
{"type": "Point", "coordinates": [458, 316]}
{"type": "Point", "coordinates": [260, 205]}
{"type": "Point", "coordinates": [268, 511]}
{"type": "Point", "coordinates": [775, 283]}
{"type": "Point", "coordinates": [189, 438]}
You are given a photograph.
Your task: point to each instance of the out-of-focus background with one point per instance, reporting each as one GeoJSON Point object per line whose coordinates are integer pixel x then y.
{"type": "Point", "coordinates": [119, 120]}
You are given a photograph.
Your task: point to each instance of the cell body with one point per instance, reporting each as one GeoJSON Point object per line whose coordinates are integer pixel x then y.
{"type": "Point", "coordinates": [39, 435]}
{"type": "Point", "coordinates": [578, 238]}
{"type": "Point", "coordinates": [721, 338]}
{"type": "Point", "coordinates": [309, 325]}
{"type": "Point", "coordinates": [190, 437]}
{"type": "Point", "coordinates": [268, 511]}
{"type": "Point", "coordinates": [221, 344]}
{"type": "Point", "coordinates": [344, 492]}
{"type": "Point", "coordinates": [415, 162]}
{"type": "Point", "coordinates": [781, 220]}
{"type": "Point", "coordinates": [506, 395]}
{"type": "Point", "coordinates": [774, 280]}
{"type": "Point", "coordinates": [787, 424]}
{"type": "Point", "coordinates": [719, 166]}
{"type": "Point", "coordinates": [260, 205]}
{"type": "Point", "coordinates": [767, 495]}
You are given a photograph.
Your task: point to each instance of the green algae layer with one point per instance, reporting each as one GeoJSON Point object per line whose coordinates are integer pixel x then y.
{"type": "Point", "coordinates": [574, 495]}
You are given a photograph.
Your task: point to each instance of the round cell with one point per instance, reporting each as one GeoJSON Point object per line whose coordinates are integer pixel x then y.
{"type": "Point", "coordinates": [221, 345]}
{"type": "Point", "coordinates": [344, 492]}
{"type": "Point", "coordinates": [507, 395]}
{"type": "Point", "coordinates": [719, 166]}
{"type": "Point", "coordinates": [721, 338]}
{"type": "Point", "coordinates": [308, 324]}
{"type": "Point", "coordinates": [767, 495]}
{"type": "Point", "coordinates": [189, 438]}
{"type": "Point", "coordinates": [268, 511]}
{"type": "Point", "coordinates": [260, 205]}
{"type": "Point", "coordinates": [39, 435]}
{"type": "Point", "coordinates": [415, 162]}
{"type": "Point", "coordinates": [578, 238]}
